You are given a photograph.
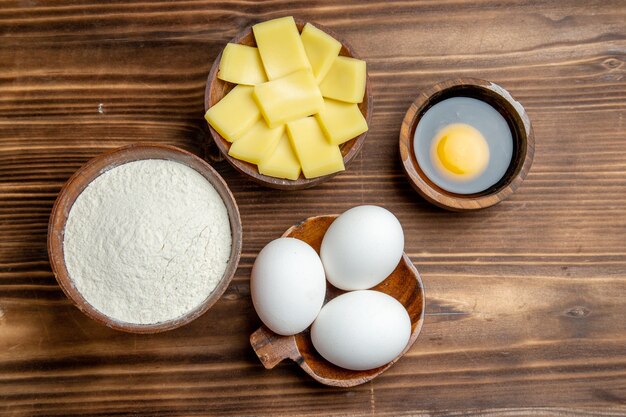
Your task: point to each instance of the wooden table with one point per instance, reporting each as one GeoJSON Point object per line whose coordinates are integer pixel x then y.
{"type": "Point", "coordinates": [526, 301]}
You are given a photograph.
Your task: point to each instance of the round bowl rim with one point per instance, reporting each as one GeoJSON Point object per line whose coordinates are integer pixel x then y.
{"type": "Point", "coordinates": [96, 166]}
{"type": "Point", "coordinates": [460, 202]}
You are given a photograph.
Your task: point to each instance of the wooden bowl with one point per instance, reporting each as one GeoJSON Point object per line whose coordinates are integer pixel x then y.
{"type": "Point", "coordinates": [404, 284]}
{"type": "Point", "coordinates": [509, 108]}
{"type": "Point", "coordinates": [216, 89]}
{"type": "Point", "coordinates": [90, 171]}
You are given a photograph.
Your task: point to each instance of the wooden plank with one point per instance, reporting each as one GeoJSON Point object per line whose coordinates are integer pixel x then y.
{"type": "Point", "coordinates": [524, 300]}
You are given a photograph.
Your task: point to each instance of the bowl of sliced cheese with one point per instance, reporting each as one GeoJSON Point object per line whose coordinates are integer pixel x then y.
{"type": "Point", "coordinates": [288, 103]}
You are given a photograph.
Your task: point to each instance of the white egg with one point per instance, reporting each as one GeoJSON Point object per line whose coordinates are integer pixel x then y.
{"type": "Point", "coordinates": [362, 247]}
{"type": "Point", "coordinates": [287, 285]}
{"type": "Point", "coordinates": [361, 330]}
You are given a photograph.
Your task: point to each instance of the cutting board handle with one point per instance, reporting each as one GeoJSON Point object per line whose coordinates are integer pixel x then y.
{"type": "Point", "coordinates": [272, 348]}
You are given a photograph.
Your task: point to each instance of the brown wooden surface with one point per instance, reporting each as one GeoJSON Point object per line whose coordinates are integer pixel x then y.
{"type": "Point", "coordinates": [525, 300]}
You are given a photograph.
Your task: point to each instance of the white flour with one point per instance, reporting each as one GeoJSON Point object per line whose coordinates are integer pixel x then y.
{"type": "Point", "coordinates": [147, 241]}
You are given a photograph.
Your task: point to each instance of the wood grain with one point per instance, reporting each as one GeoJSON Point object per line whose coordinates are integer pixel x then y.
{"type": "Point", "coordinates": [525, 300]}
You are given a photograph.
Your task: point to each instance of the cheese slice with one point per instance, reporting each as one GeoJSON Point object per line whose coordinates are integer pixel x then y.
{"type": "Point", "coordinates": [241, 64]}
{"type": "Point", "coordinates": [341, 121]}
{"type": "Point", "coordinates": [321, 49]}
{"type": "Point", "coordinates": [256, 143]}
{"type": "Point", "coordinates": [316, 155]}
{"type": "Point", "coordinates": [289, 98]}
{"type": "Point", "coordinates": [235, 113]}
{"type": "Point", "coordinates": [282, 163]}
{"type": "Point", "coordinates": [345, 80]}
{"type": "Point", "coordinates": [280, 47]}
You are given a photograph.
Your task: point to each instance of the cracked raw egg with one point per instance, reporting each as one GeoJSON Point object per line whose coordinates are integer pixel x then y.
{"type": "Point", "coordinates": [463, 145]}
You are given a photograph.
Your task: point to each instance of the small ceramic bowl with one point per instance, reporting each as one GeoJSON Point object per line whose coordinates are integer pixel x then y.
{"type": "Point", "coordinates": [404, 284]}
{"type": "Point", "coordinates": [509, 108]}
{"type": "Point", "coordinates": [90, 171]}
{"type": "Point", "coordinates": [216, 89]}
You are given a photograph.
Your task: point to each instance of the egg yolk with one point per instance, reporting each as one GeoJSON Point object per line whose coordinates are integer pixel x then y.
{"type": "Point", "coordinates": [461, 150]}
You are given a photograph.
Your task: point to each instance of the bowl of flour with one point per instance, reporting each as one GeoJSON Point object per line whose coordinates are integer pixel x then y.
{"type": "Point", "coordinates": [145, 238]}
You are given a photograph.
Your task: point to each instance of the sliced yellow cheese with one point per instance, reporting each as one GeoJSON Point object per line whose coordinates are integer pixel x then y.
{"type": "Point", "coordinates": [241, 64]}
{"type": "Point", "coordinates": [288, 98]}
{"type": "Point", "coordinates": [316, 155]}
{"type": "Point", "coordinates": [280, 47]}
{"type": "Point", "coordinates": [235, 113]}
{"type": "Point", "coordinates": [282, 163]}
{"type": "Point", "coordinates": [341, 121]}
{"type": "Point", "coordinates": [345, 80]}
{"type": "Point", "coordinates": [321, 49]}
{"type": "Point", "coordinates": [256, 143]}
